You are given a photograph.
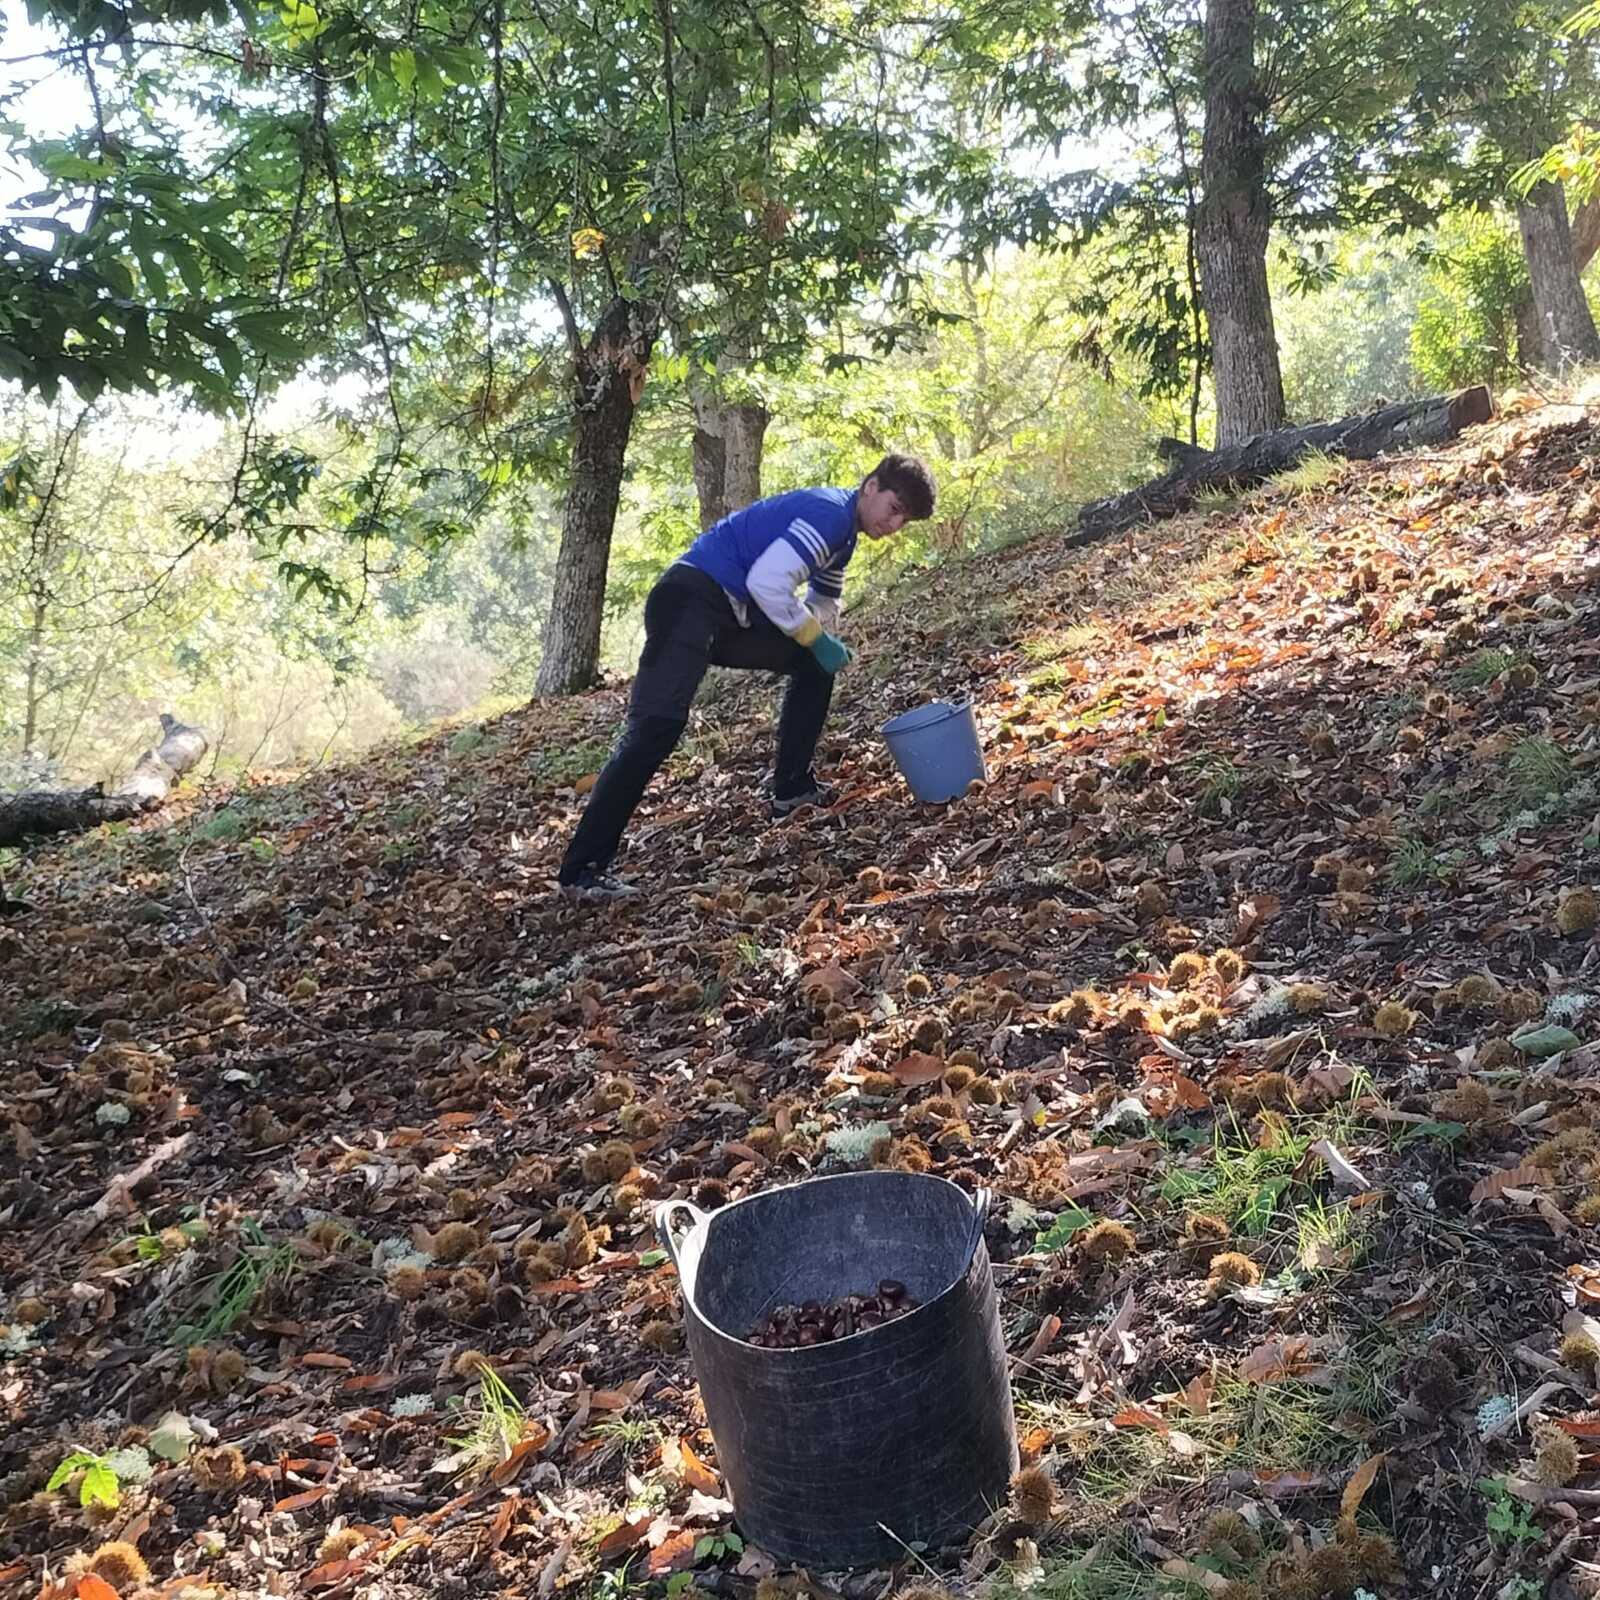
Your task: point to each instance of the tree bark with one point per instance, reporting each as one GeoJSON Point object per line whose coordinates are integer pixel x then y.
{"type": "Point", "coordinates": [1562, 332]}
{"type": "Point", "coordinates": [1399, 427]}
{"type": "Point", "coordinates": [608, 380]}
{"type": "Point", "coordinates": [1232, 227]}
{"type": "Point", "coordinates": [728, 440]}
{"type": "Point", "coordinates": [43, 811]}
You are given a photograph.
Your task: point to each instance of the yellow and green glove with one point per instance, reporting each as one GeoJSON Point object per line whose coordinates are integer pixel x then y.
{"type": "Point", "coordinates": [831, 652]}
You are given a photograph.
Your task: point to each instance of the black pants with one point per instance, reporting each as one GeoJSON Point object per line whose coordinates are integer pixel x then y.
{"type": "Point", "coordinates": [688, 626]}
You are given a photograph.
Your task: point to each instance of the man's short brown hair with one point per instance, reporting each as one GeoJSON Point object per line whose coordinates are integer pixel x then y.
{"type": "Point", "coordinates": [909, 478]}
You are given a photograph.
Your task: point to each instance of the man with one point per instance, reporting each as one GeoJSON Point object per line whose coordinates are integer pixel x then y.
{"type": "Point", "coordinates": [731, 601]}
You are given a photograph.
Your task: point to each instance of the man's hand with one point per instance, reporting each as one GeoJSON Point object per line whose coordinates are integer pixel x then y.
{"type": "Point", "coordinates": [831, 652]}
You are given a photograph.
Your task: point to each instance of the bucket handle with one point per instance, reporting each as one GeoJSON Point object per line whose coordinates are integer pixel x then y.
{"type": "Point", "coordinates": [980, 1215]}
{"type": "Point", "coordinates": [669, 1212]}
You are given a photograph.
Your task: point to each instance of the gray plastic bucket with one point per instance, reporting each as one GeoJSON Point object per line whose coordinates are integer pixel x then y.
{"type": "Point", "coordinates": [936, 749]}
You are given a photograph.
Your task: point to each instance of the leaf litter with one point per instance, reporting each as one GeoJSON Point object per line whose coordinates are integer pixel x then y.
{"type": "Point", "coordinates": [1256, 981]}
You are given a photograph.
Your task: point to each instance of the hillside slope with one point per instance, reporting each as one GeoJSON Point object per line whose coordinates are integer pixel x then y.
{"type": "Point", "coordinates": [318, 1099]}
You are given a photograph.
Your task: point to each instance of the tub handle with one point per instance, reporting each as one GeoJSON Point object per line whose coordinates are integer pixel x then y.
{"type": "Point", "coordinates": [980, 1215]}
{"type": "Point", "coordinates": [670, 1212]}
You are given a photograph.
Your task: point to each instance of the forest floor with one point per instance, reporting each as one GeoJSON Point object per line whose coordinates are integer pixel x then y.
{"type": "Point", "coordinates": [332, 1135]}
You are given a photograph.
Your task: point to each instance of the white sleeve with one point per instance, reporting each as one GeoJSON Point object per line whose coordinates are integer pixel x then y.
{"type": "Point", "coordinates": [778, 571]}
{"type": "Point", "coordinates": [825, 609]}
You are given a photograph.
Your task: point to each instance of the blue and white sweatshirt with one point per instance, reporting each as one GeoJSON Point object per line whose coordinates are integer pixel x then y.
{"type": "Point", "coordinates": [764, 551]}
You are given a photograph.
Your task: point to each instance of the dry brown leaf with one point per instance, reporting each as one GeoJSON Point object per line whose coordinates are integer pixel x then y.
{"type": "Point", "coordinates": [298, 1502]}
{"type": "Point", "coordinates": [679, 1461]}
{"type": "Point", "coordinates": [917, 1068]}
{"type": "Point", "coordinates": [1526, 1176]}
{"type": "Point", "coordinates": [629, 1536]}
{"type": "Point", "coordinates": [1140, 1417]}
{"type": "Point", "coordinates": [1362, 1479]}
{"type": "Point", "coordinates": [832, 980]}
{"type": "Point", "coordinates": [91, 1586]}
{"type": "Point", "coordinates": [673, 1554]}
{"type": "Point", "coordinates": [332, 1572]}
{"type": "Point", "coordinates": [1197, 1395]}
{"type": "Point", "coordinates": [1278, 1359]}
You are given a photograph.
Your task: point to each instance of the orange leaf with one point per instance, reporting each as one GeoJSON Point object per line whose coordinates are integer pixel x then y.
{"type": "Point", "coordinates": [1190, 1095]}
{"type": "Point", "coordinates": [1360, 1481]}
{"type": "Point", "coordinates": [610, 1400]}
{"type": "Point", "coordinates": [1527, 1176]}
{"type": "Point", "coordinates": [694, 1471]}
{"type": "Point", "coordinates": [1578, 1427]}
{"type": "Point", "coordinates": [525, 1447]}
{"type": "Point", "coordinates": [298, 1502]}
{"type": "Point", "coordinates": [1139, 1417]}
{"type": "Point", "coordinates": [585, 783]}
{"type": "Point", "coordinates": [1198, 1395]}
{"type": "Point", "coordinates": [332, 1572]}
{"type": "Point", "coordinates": [918, 1067]}
{"type": "Point", "coordinates": [320, 1358]}
{"type": "Point", "coordinates": [372, 1381]}
{"type": "Point", "coordinates": [672, 1554]}
{"type": "Point", "coordinates": [93, 1587]}
{"type": "Point", "coordinates": [560, 1286]}
{"type": "Point", "coordinates": [629, 1536]}
{"type": "Point", "coordinates": [1035, 1442]}
{"type": "Point", "coordinates": [458, 1119]}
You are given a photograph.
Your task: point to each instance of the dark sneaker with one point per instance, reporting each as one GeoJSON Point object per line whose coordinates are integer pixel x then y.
{"type": "Point", "coordinates": [819, 794]}
{"type": "Point", "coordinates": [593, 884]}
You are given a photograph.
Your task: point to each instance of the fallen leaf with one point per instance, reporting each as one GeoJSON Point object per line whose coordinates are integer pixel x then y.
{"type": "Point", "coordinates": [833, 980]}
{"type": "Point", "coordinates": [673, 1554]}
{"type": "Point", "coordinates": [629, 1536]}
{"type": "Point", "coordinates": [1253, 913]}
{"type": "Point", "coordinates": [1139, 1417]}
{"type": "Point", "coordinates": [530, 1444]}
{"type": "Point", "coordinates": [298, 1502]}
{"type": "Point", "coordinates": [332, 1572]}
{"type": "Point", "coordinates": [1197, 1395]}
{"type": "Point", "coordinates": [93, 1587]}
{"type": "Point", "coordinates": [679, 1459]}
{"type": "Point", "coordinates": [585, 783]}
{"type": "Point", "coordinates": [918, 1067]}
{"type": "Point", "coordinates": [1283, 1358]}
{"type": "Point", "coordinates": [1355, 1491]}
{"type": "Point", "coordinates": [1289, 1485]}
{"type": "Point", "coordinates": [1339, 1166]}
{"type": "Point", "coordinates": [1527, 1176]}
{"type": "Point", "coordinates": [318, 1358]}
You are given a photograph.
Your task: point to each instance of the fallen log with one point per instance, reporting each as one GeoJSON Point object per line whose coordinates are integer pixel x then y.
{"type": "Point", "coordinates": [74, 810]}
{"type": "Point", "coordinates": [1407, 426]}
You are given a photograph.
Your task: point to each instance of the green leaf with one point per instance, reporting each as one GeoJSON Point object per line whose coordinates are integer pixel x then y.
{"type": "Point", "coordinates": [1257, 1215]}
{"type": "Point", "coordinates": [1542, 1042]}
{"type": "Point", "coordinates": [99, 1487]}
{"type": "Point", "coordinates": [403, 65]}
{"type": "Point", "coordinates": [1445, 1132]}
{"type": "Point", "coordinates": [78, 1458]}
{"type": "Point", "coordinates": [652, 1258]}
{"type": "Point", "coordinates": [188, 264]}
{"type": "Point", "coordinates": [62, 164]}
{"type": "Point", "coordinates": [704, 1545]}
{"type": "Point", "coordinates": [1074, 1219]}
{"type": "Point", "coordinates": [266, 330]}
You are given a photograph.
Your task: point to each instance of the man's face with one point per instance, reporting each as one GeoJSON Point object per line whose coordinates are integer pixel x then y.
{"type": "Point", "coordinates": [879, 511]}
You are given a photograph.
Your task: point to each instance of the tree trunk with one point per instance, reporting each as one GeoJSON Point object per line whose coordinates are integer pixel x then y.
{"type": "Point", "coordinates": [609, 378]}
{"type": "Point", "coordinates": [1238, 466]}
{"type": "Point", "coordinates": [1563, 334]}
{"type": "Point", "coordinates": [728, 439]}
{"type": "Point", "coordinates": [74, 810]}
{"type": "Point", "coordinates": [1232, 227]}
